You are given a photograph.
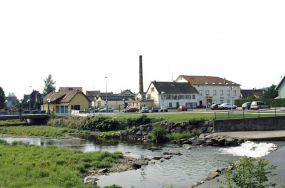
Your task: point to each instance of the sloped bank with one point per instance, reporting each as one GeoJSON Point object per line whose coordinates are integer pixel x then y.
{"type": "Point", "coordinates": [206, 138]}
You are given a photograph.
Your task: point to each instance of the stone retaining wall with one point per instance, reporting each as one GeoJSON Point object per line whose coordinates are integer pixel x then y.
{"type": "Point", "coordinates": [250, 124]}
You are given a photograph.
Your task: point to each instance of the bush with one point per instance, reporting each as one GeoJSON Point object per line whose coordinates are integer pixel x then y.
{"type": "Point", "coordinates": [159, 133]}
{"type": "Point", "coordinates": [194, 120]}
{"type": "Point", "coordinates": [250, 173]}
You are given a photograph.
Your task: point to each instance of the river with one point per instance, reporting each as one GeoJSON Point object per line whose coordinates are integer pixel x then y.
{"type": "Point", "coordinates": [181, 171]}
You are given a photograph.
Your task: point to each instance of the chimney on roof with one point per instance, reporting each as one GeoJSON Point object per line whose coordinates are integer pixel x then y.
{"type": "Point", "coordinates": [140, 75]}
{"type": "Point", "coordinates": [225, 81]}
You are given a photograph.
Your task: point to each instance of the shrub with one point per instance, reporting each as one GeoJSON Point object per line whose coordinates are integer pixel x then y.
{"type": "Point", "coordinates": [159, 133]}
{"type": "Point", "coordinates": [250, 173]}
{"type": "Point", "coordinates": [194, 120]}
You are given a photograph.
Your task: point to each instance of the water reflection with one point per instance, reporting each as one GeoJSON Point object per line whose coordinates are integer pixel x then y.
{"type": "Point", "coordinates": [181, 171]}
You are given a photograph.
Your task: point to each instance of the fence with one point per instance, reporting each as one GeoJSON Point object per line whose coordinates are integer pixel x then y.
{"type": "Point", "coordinates": [249, 114]}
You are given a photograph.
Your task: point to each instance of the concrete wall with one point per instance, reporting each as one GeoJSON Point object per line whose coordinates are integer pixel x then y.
{"type": "Point", "coordinates": [250, 124]}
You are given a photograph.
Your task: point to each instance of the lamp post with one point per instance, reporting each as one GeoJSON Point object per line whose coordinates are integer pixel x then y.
{"type": "Point", "coordinates": [94, 105]}
{"type": "Point", "coordinates": [231, 87]}
{"type": "Point", "coordinates": [20, 110]}
{"type": "Point", "coordinates": [162, 94]}
{"type": "Point", "coordinates": [48, 100]}
{"type": "Point", "coordinates": [30, 100]}
{"type": "Point", "coordinates": [106, 96]}
{"type": "Point", "coordinates": [206, 91]}
{"type": "Point", "coordinates": [123, 105]}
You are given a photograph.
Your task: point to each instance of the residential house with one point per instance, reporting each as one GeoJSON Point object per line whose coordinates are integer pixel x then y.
{"type": "Point", "coordinates": [116, 101]}
{"type": "Point", "coordinates": [281, 88]}
{"type": "Point", "coordinates": [70, 88]}
{"type": "Point", "coordinates": [65, 101]}
{"type": "Point", "coordinates": [172, 94]}
{"type": "Point", "coordinates": [248, 93]}
{"type": "Point", "coordinates": [213, 89]}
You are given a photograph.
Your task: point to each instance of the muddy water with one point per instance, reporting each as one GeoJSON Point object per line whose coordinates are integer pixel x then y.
{"type": "Point", "coordinates": [181, 171]}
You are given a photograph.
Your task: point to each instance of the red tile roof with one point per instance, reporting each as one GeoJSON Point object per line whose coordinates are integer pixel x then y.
{"type": "Point", "coordinates": [210, 80]}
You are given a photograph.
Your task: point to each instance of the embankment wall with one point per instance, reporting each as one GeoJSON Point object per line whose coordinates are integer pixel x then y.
{"type": "Point", "coordinates": [250, 124]}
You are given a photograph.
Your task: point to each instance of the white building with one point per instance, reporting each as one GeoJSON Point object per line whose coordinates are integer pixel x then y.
{"type": "Point", "coordinates": [172, 94]}
{"type": "Point", "coordinates": [213, 89]}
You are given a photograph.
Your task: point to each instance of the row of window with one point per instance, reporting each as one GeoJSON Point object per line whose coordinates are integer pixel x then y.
{"type": "Point", "coordinates": [188, 105]}
{"type": "Point", "coordinates": [175, 97]}
{"type": "Point", "coordinates": [61, 109]}
{"type": "Point", "coordinates": [221, 92]}
{"type": "Point", "coordinates": [221, 101]}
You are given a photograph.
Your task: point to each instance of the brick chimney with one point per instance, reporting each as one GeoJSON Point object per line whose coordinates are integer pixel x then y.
{"type": "Point", "coordinates": [140, 76]}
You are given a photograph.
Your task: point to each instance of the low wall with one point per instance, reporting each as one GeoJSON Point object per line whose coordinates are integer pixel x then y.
{"type": "Point", "coordinates": [250, 124]}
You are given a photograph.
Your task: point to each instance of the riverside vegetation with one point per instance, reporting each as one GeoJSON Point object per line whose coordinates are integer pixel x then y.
{"type": "Point", "coordinates": [25, 165]}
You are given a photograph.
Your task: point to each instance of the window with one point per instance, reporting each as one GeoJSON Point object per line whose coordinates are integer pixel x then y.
{"type": "Point", "coordinates": [61, 109]}
{"type": "Point", "coordinates": [188, 96]}
{"type": "Point", "coordinates": [193, 96]}
{"type": "Point", "coordinates": [200, 92]}
{"type": "Point", "coordinates": [214, 93]}
{"type": "Point", "coordinates": [180, 96]}
{"type": "Point", "coordinates": [235, 92]}
{"type": "Point", "coordinates": [207, 92]}
{"type": "Point", "coordinates": [152, 89]}
{"type": "Point", "coordinates": [174, 96]}
{"type": "Point", "coordinates": [221, 92]}
{"type": "Point", "coordinates": [57, 109]}
{"type": "Point", "coordinates": [228, 92]}
{"type": "Point", "coordinates": [170, 104]}
{"type": "Point", "coordinates": [169, 96]}
{"type": "Point", "coordinates": [148, 96]}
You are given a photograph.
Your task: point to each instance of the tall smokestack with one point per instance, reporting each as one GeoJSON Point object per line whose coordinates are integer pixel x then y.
{"type": "Point", "coordinates": [140, 76]}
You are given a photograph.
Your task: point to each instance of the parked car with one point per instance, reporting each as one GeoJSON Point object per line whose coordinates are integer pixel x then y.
{"type": "Point", "coordinates": [201, 106]}
{"type": "Point", "coordinates": [182, 108]}
{"type": "Point", "coordinates": [145, 110]}
{"type": "Point", "coordinates": [109, 109]}
{"type": "Point", "coordinates": [92, 109]}
{"type": "Point", "coordinates": [132, 110]}
{"type": "Point", "coordinates": [259, 104]}
{"type": "Point", "coordinates": [246, 105]}
{"type": "Point", "coordinates": [226, 106]}
{"type": "Point", "coordinates": [214, 106]}
{"type": "Point", "coordinates": [154, 109]}
{"type": "Point", "coordinates": [164, 109]}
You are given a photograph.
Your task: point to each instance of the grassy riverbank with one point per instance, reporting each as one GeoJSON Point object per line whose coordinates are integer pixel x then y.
{"type": "Point", "coordinates": [13, 122]}
{"type": "Point", "coordinates": [24, 165]}
{"type": "Point", "coordinates": [45, 131]}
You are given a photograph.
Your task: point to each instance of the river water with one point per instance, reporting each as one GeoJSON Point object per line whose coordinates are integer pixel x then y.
{"type": "Point", "coordinates": [181, 171]}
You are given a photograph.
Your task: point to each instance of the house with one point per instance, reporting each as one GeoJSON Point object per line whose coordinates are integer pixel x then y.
{"type": "Point", "coordinates": [116, 101]}
{"type": "Point", "coordinates": [281, 88]}
{"type": "Point", "coordinates": [213, 89]}
{"type": "Point", "coordinates": [248, 93]}
{"type": "Point", "coordinates": [70, 88]}
{"type": "Point", "coordinates": [172, 94]}
{"type": "Point", "coordinates": [65, 101]}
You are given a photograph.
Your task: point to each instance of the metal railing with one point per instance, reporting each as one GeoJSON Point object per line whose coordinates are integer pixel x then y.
{"type": "Point", "coordinates": [273, 112]}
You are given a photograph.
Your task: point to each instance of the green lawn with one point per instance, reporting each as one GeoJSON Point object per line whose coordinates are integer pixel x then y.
{"type": "Point", "coordinates": [24, 165]}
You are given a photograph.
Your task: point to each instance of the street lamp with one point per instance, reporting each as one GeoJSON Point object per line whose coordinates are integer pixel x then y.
{"type": "Point", "coordinates": [231, 87]}
{"type": "Point", "coordinates": [123, 105]}
{"type": "Point", "coordinates": [95, 104]}
{"type": "Point", "coordinates": [30, 100]}
{"type": "Point", "coordinates": [106, 96]}
{"type": "Point", "coordinates": [48, 100]}
{"type": "Point", "coordinates": [162, 94]}
{"type": "Point", "coordinates": [206, 91]}
{"type": "Point", "coordinates": [20, 110]}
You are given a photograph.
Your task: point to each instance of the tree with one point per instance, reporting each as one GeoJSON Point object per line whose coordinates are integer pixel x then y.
{"type": "Point", "coordinates": [2, 98]}
{"type": "Point", "coordinates": [49, 85]}
{"type": "Point", "coordinates": [270, 93]}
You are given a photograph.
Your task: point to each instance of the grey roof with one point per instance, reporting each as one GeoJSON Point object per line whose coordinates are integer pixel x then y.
{"type": "Point", "coordinates": [174, 87]}
{"type": "Point", "coordinates": [92, 93]}
{"type": "Point", "coordinates": [63, 96]}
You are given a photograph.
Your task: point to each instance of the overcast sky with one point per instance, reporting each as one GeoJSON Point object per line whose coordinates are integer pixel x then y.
{"type": "Point", "coordinates": [81, 42]}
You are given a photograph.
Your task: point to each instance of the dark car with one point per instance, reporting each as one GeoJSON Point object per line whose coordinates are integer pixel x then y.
{"type": "Point", "coordinates": [182, 108]}
{"type": "Point", "coordinates": [214, 106]}
{"type": "Point", "coordinates": [201, 106]}
{"type": "Point", "coordinates": [132, 110]}
{"type": "Point", "coordinates": [154, 109]}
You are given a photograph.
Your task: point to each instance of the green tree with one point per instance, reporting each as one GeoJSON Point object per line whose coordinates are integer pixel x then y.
{"type": "Point", "coordinates": [2, 98]}
{"type": "Point", "coordinates": [270, 93]}
{"type": "Point", "coordinates": [49, 85]}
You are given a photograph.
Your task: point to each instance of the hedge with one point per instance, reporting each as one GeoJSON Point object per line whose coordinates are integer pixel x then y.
{"type": "Point", "coordinates": [272, 102]}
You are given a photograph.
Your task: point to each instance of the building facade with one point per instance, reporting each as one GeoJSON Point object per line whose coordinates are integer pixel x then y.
{"type": "Point", "coordinates": [281, 88]}
{"type": "Point", "coordinates": [172, 94]}
{"type": "Point", "coordinates": [213, 89]}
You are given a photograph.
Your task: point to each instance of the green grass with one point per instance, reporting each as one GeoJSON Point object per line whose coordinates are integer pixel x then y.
{"type": "Point", "coordinates": [24, 165]}
{"type": "Point", "coordinates": [107, 134]}
{"type": "Point", "coordinates": [11, 122]}
{"type": "Point", "coordinates": [45, 131]}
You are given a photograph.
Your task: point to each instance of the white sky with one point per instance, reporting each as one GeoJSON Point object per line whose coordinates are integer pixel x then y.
{"type": "Point", "coordinates": [81, 42]}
